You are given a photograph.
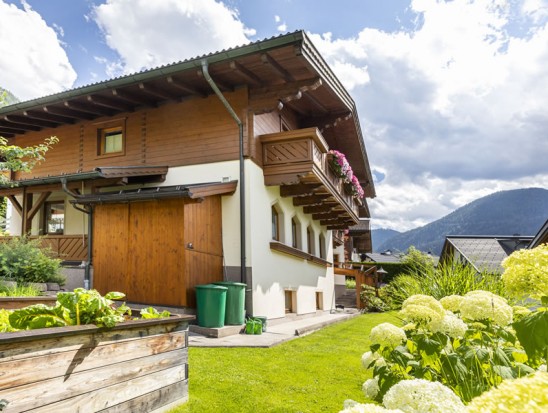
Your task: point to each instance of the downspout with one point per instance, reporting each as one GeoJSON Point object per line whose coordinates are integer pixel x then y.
{"type": "Point", "coordinates": [219, 94]}
{"type": "Point", "coordinates": [87, 268]}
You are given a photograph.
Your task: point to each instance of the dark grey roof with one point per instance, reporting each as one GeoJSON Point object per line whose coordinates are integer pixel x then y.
{"type": "Point", "coordinates": [541, 237]}
{"type": "Point", "coordinates": [486, 253]}
{"type": "Point", "coordinates": [383, 257]}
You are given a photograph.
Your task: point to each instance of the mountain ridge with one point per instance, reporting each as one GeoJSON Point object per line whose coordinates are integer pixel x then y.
{"type": "Point", "coordinates": [518, 211]}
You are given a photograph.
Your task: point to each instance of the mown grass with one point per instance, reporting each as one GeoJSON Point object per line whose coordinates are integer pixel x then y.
{"type": "Point", "coordinates": [315, 373]}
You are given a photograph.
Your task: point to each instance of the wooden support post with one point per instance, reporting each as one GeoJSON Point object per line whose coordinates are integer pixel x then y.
{"type": "Point", "coordinates": [360, 279]}
{"type": "Point", "coordinates": [26, 225]}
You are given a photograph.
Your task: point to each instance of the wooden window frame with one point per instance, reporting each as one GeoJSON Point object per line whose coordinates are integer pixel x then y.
{"type": "Point", "coordinates": [310, 240]}
{"type": "Point", "coordinates": [275, 223]}
{"type": "Point", "coordinates": [47, 207]}
{"type": "Point", "coordinates": [101, 139]}
{"type": "Point", "coordinates": [322, 253]}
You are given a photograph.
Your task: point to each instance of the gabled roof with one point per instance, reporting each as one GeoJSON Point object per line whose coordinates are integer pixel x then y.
{"type": "Point", "coordinates": [541, 237]}
{"type": "Point", "coordinates": [484, 253]}
{"type": "Point", "coordinates": [288, 64]}
{"type": "Point", "coordinates": [383, 257]}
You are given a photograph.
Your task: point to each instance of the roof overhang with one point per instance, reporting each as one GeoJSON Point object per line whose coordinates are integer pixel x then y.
{"type": "Point", "coordinates": [105, 176]}
{"type": "Point", "coordinates": [288, 69]}
{"type": "Point", "coordinates": [193, 191]}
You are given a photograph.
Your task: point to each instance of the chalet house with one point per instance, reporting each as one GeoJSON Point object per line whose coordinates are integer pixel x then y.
{"type": "Point", "coordinates": [212, 168]}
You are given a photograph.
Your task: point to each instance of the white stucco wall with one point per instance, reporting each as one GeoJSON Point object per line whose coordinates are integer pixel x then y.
{"type": "Point", "coordinates": [275, 272]}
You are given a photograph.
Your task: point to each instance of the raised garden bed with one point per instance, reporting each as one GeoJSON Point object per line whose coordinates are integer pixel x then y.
{"type": "Point", "coordinates": [12, 303]}
{"type": "Point", "coordinates": [136, 366]}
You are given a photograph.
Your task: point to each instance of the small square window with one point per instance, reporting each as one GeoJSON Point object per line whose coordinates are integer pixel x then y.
{"type": "Point", "coordinates": [111, 141]}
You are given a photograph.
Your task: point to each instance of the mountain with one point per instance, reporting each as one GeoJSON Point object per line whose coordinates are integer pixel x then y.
{"type": "Point", "coordinates": [380, 236]}
{"type": "Point", "coordinates": [519, 211]}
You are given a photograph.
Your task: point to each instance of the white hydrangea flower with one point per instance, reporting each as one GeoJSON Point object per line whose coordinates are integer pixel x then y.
{"type": "Point", "coordinates": [422, 308]}
{"type": "Point", "coordinates": [451, 303]}
{"type": "Point", "coordinates": [526, 273]}
{"type": "Point", "coordinates": [367, 408]}
{"type": "Point", "coordinates": [527, 394]}
{"type": "Point", "coordinates": [481, 305]}
{"type": "Point", "coordinates": [450, 324]}
{"type": "Point", "coordinates": [387, 334]}
{"type": "Point", "coordinates": [542, 368]}
{"type": "Point", "coordinates": [368, 358]}
{"type": "Point", "coordinates": [422, 396]}
{"type": "Point", "coordinates": [371, 388]}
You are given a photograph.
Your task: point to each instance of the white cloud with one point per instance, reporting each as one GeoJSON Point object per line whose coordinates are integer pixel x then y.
{"type": "Point", "coordinates": [282, 27]}
{"type": "Point", "coordinates": [151, 33]}
{"type": "Point", "coordinates": [33, 63]}
{"type": "Point", "coordinates": [452, 110]}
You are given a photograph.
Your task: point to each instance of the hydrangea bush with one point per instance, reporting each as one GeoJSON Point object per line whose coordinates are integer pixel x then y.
{"type": "Point", "coordinates": [470, 348]}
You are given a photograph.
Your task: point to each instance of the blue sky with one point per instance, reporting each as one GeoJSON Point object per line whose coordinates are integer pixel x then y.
{"type": "Point", "coordinates": [451, 94]}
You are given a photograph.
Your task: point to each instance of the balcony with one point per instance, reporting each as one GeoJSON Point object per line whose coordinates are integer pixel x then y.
{"type": "Point", "coordinates": [298, 162]}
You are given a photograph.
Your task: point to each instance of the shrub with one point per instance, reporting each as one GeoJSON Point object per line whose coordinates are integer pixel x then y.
{"type": "Point", "coordinates": [469, 351]}
{"type": "Point", "coordinates": [450, 277]}
{"type": "Point", "coordinates": [19, 291]}
{"type": "Point", "coordinates": [24, 261]}
{"type": "Point", "coordinates": [372, 303]}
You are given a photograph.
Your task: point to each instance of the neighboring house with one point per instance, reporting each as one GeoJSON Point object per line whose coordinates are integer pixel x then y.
{"type": "Point", "coordinates": [484, 253]}
{"type": "Point", "coordinates": [385, 256]}
{"type": "Point", "coordinates": [541, 237]}
{"type": "Point", "coordinates": [208, 169]}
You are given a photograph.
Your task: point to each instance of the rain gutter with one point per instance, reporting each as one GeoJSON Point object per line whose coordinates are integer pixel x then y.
{"type": "Point", "coordinates": [243, 277]}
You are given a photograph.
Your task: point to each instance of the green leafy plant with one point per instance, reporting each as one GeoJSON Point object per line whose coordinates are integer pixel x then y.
{"type": "Point", "coordinates": [526, 278]}
{"type": "Point", "coordinates": [73, 308]}
{"type": "Point", "coordinates": [370, 300]}
{"type": "Point", "coordinates": [19, 291]}
{"type": "Point", "coordinates": [151, 312]}
{"type": "Point", "coordinates": [464, 342]}
{"type": "Point", "coordinates": [24, 261]}
{"type": "Point", "coordinates": [5, 326]}
{"type": "Point", "coordinates": [448, 278]}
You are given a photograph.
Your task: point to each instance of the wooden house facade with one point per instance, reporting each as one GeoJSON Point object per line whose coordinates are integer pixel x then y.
{"type": "Point", "coordinates": [208, 169]}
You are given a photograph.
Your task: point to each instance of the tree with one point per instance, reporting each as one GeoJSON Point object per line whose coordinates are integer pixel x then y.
{"type": "Point", "coordinates": [15, 158]}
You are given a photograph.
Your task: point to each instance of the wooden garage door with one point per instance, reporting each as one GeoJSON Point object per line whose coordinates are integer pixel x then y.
{"type": "Point", "coordinates": [138, 249]}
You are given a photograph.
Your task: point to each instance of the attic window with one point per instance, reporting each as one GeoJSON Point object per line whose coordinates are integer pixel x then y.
{"type": "Point", "coordinates": [111, 141]}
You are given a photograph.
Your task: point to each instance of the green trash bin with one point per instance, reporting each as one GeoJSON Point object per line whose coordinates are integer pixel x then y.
{"type": "Point", "coordinates": [235, 302]}
{"type": "Point", "coordinates": [210, 305]}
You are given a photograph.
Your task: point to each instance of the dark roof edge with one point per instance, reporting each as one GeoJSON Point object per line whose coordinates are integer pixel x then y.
{"type": "Point", "coordinates": [491, 236]}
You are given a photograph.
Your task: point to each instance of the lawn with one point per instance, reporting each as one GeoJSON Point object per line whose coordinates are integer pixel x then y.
{"type": "Point", "coordinates": [315, 373]}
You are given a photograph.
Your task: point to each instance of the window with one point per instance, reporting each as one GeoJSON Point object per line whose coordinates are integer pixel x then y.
{"type": "Point", "coordinates": [54, 217]}
{"type": "Point", "coordinates": [111, 141]}
{"type": "Point", "coordinates": [275, 224]}
{"type": "Point", "coordinates": [322, 247]}
{"type": "Point", "coordinates": [310, 240]}
{"type": "Point", "coordinates": [296, 233]}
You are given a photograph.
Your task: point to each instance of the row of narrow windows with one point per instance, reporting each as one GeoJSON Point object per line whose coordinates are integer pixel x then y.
{"type": "Point", "coordinates": [296, 241]}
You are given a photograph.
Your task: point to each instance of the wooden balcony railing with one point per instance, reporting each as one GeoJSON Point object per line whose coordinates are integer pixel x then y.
{"type": "Point", "coordinates": [298, 161]}
{"type": "Point", "coordinates": [65, 247]}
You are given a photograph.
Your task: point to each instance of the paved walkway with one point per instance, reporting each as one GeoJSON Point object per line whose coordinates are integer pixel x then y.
{"type": "Point", "coordinates": [274, 335]}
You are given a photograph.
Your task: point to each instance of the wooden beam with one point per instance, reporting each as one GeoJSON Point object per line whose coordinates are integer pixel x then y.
{"type": "Point", "coordinates": [316, 103]}
{"type": "Point", "coordinates": [327, 215]}
{"type": "Point", "coordinates": [220, 84]}
{"type": "Point", "coordinates": [184, 87]}
{"type": "Point", "coordinates": [135, 98]}
{"type": "Point", "coordinates": [19, 123]}
{"type": "Point", "coordinates": [245, 73]}
{"type": "Point", "coordinates": [110, 103]}
{"type": "Point", "coordinates": [157, 92]}
{"type": "Point", "coordinates": [89, 108]}
{"type": "Point", "coordinates": [26, 225]}
{"type": "Point", "coordinates": [66, 112]}
{"type": "Point", "coordinates": [48, 117]}
{"type": "Point", "coordinates": [32, 124]}
{"type": "Point", "coordinates": [268, 99]}
{"type": "Point", "coordinates": [4, 130]}
{"type": "Point", "coordinates": [16, 205]}
{"type": "Point", "coordinates": [36, 207]}
{"type": "Point", "coordinates": [276, 67]}
{"type": "Point", "coordinates": [299, 190]}
{"type": "Point", "coordinates": [325, 207]}
{"type": "Point", "coordinates": [309, 200]}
